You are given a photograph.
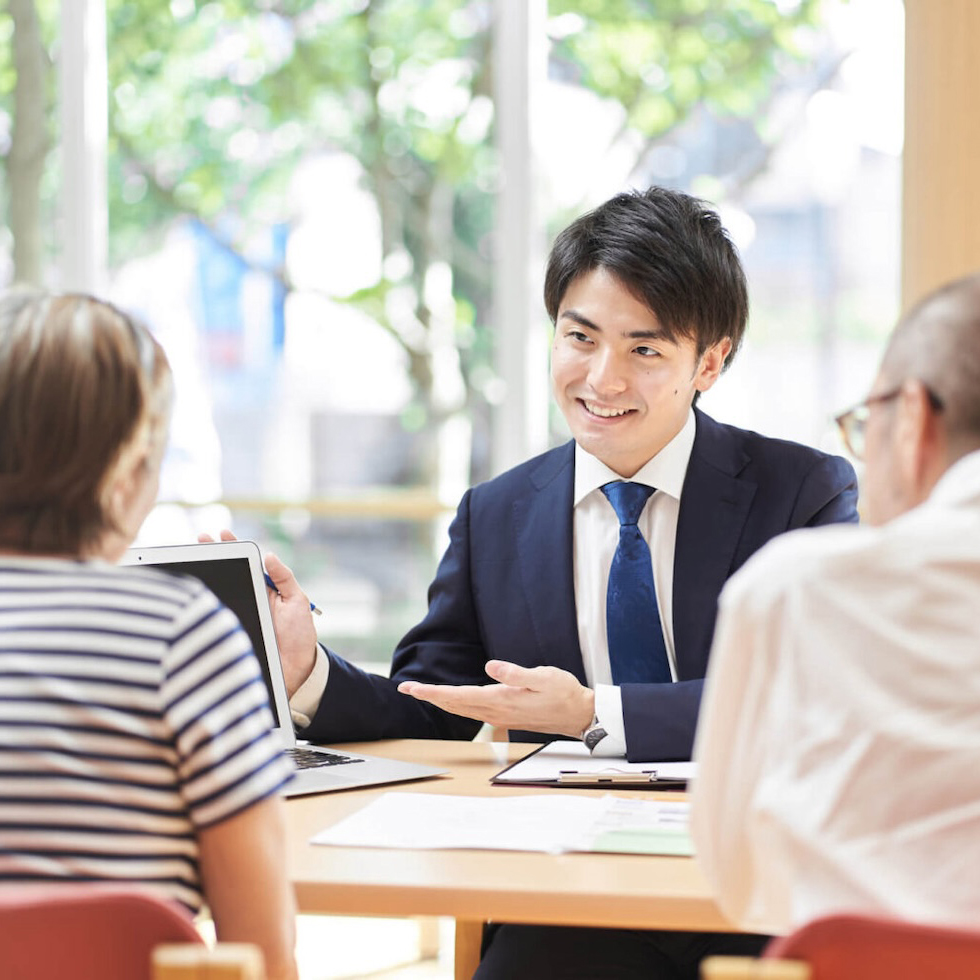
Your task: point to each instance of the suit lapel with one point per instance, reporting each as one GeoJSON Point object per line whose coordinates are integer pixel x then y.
{"type": "Point", "coordinates": [543, 525]}
{"type": "Point", "coordinates": [714, 507]}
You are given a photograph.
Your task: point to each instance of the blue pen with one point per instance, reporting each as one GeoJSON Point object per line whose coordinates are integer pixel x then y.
{"type": "Point", "coordinates": [272, 585]}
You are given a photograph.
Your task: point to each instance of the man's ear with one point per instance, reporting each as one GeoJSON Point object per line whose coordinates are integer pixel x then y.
{"type": "Point", "coordinates": [919, 440]}
{"type": "Point", "coordinates": [710, 365]}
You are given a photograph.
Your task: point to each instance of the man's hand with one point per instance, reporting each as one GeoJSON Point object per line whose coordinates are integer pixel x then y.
{"type": "Point", "coordinates": [535, 699]}
{"type": "Point", "coordinates": [291, 619]}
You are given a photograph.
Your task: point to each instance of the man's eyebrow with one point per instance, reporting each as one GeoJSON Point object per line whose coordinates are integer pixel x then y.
{"type": "Point", "coordinates": [650, 335]}
{"type": "Point", "coordinates": [584, 321]}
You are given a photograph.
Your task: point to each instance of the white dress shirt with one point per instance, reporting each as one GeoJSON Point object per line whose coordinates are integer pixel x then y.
{"type": "Point", "coordinates": [839, 741]}
{"type": "Point", "coordinates": [595, 529]}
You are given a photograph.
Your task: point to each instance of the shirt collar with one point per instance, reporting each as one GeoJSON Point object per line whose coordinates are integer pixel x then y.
{"type": "Point", "coordinates": [666, 471]}
{"type": "Point", "coordinates": [961, 482]}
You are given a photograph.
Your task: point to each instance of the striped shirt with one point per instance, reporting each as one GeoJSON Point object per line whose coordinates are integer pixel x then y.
{"type": "Point", "coordinates": [132, 714]}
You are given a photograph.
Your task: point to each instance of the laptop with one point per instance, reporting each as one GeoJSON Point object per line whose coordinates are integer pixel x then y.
{"type": "Point", "coordinates": [233, 571]}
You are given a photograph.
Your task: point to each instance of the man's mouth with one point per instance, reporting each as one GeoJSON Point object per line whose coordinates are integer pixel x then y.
{"type": "Point", "coordinates": [602, 412]}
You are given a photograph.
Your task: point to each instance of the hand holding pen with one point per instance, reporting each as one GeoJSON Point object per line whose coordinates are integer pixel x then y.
{"type": "Point", "coordinates": [272, 585]}
{"type": "Point", "coordinates": [293, 622]}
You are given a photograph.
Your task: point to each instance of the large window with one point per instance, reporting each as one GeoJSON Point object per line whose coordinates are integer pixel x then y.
{"type": "Point", "coordinates": [305, 200]}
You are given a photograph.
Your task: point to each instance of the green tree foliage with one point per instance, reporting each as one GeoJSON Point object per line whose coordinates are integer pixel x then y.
{"type": "Point", "coordinates": [27, 187]}
{"type": "Point", "coordinates": [661, 59]}
{"type": "Point", "coordinates": [213, 104]}
{"type": "Point", "coordinates": [665, 62]}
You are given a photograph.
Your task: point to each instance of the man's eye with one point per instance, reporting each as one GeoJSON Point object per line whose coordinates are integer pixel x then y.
{"type": "Point", "coordinates": [647, 352]}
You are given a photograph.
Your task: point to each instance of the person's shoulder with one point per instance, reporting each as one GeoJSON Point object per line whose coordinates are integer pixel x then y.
{"type": "Point", "coordinates": [537, 471]}
{"type": "Point", "coordinates": [755, 443]}
{"type": "Point", "coordinates": [751, 450]}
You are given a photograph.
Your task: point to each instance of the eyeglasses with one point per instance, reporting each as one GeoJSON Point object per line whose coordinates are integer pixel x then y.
{"type": "Point", "coordinates": [853, 423]}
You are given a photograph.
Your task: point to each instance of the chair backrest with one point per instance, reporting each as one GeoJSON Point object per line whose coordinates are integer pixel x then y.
{"type": "Point", "coordinates": [85, 932]}
{"type": "Point", "coordinates": [864, 947]}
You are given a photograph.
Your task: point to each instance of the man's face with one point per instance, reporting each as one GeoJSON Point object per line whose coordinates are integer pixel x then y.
{"type": "Point", "coordinates": [624, 388]}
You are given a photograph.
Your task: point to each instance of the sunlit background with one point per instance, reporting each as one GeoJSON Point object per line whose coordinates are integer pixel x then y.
{"type": "Point", "coordinates": [312, 203]}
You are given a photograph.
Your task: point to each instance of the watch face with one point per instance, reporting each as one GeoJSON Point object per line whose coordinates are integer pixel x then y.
{"type": "Point", "coordinates": [594, 736]}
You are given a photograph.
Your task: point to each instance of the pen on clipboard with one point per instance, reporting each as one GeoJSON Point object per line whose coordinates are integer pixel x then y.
{"type": "Point", "coordinates": [593, 778]}
{"type": "Point", "coordinates": [272, 585]}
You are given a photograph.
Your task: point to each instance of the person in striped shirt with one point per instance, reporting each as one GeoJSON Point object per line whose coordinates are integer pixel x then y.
{"type": "Point", "coordinates": [135, 731]}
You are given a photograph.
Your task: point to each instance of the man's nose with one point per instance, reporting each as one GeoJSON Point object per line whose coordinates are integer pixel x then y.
{"type": "Point", "coordinates": [607, 374]}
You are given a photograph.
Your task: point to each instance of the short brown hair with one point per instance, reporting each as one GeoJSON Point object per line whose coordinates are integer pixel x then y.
{"type": "Point", "coordinates": [79, 381]}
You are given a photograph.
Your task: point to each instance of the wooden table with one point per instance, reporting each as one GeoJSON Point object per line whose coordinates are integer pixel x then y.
{"type": "Point", "coordinates": [473, 886]}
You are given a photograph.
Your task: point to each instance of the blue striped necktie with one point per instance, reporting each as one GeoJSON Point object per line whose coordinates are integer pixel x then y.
{"type": "Point", "coordinates": [637, 654]}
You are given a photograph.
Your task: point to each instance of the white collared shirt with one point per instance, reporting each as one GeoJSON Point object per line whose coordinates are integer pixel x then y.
{"type": "Point", "coordinates": [839, 737]}
{"type": "Point", "coordinates": [595, 530]}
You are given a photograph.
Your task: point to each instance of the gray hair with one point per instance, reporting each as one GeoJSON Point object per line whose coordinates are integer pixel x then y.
{"type": "Point", "coordinates": [938, 343]}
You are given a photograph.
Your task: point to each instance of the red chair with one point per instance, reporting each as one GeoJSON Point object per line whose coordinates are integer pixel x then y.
{"type": "Point", "coordinates": [105, 932]}
{"type": "Point", "coordinates": [858, 947]}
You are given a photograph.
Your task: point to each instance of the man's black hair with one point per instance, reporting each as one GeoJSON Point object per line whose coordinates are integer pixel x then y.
{"type": "Point", "coordinates": [671, 252]}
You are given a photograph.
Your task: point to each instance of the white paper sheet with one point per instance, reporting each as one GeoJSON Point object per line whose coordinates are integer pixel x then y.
{"type": "Point", "coordinates": [550, 823]}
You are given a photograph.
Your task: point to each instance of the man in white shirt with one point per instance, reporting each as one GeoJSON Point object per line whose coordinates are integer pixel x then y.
{"type": "Point", "coordinates": [839, 741]}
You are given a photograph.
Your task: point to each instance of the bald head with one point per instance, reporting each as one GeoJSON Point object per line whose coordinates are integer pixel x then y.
{"type": "Point", "coordinates": [938, 343]}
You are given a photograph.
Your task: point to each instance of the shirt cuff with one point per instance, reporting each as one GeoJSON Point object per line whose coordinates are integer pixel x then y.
{"type": "Point", "coordinates": [304, 703]}
{"type": "Point", "coordinates": [609, 712]}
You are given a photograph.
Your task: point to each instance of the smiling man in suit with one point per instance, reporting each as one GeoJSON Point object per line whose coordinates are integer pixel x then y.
{"type": "Point", "coordinates": [577, 595]}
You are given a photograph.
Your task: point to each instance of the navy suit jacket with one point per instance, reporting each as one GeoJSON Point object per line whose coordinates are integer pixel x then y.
{"type": "Point", "coordinates": [504, 588]}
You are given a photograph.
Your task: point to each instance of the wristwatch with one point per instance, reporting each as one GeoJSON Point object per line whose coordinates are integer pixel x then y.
{"type": "Point", "coordinates": [594, 734]}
